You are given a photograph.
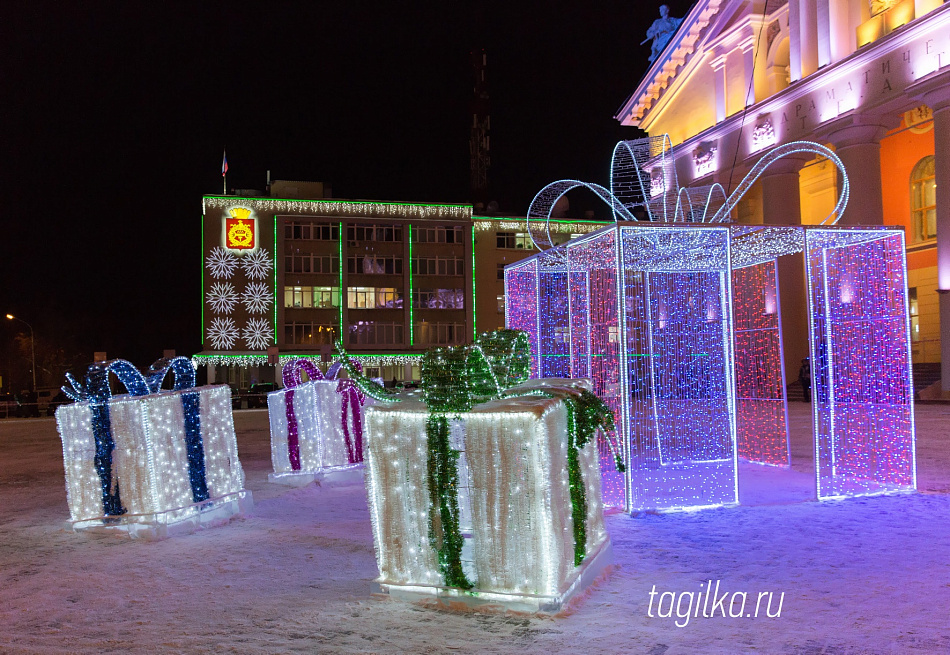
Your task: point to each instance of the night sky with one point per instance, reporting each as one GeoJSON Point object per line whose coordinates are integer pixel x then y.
{"type": "Point", "coordinates": [114, 117]}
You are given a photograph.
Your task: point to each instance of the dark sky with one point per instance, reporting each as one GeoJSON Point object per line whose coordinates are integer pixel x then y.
{"type": "Point", "coordinates": [114, 117]}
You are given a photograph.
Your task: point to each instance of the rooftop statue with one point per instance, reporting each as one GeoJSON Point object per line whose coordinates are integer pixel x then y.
{"type": "Point", "coordinates": [661, 31]}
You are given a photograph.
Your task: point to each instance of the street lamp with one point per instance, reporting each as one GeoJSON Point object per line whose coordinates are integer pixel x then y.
{"type": "Point", "coordinates": [32, 346]}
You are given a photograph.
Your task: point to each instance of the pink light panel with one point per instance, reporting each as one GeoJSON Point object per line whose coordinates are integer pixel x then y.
{"type": "Point", "coordinates": [761, 409]}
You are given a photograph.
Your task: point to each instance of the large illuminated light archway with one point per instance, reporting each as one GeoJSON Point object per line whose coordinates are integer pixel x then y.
{"type": "Point", "coordinates": [676, 319]}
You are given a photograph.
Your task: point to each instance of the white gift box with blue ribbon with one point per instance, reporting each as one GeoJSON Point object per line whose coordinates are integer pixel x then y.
{"type": "Point", "coordinates": [150, 461]}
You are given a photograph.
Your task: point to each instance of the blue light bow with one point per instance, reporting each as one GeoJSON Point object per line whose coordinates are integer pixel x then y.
{"type": "Point", "coordinates": [644, 186]}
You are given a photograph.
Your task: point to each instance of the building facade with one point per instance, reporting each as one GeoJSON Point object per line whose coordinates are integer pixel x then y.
{"type": "Point", "coordinates": [284, 278]}
{"type": "Point", "coordinates": [868, 78]}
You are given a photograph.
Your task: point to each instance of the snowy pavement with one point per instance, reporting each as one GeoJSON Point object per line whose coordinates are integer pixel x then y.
{"type": "Point", "coordinates": [859, 576]}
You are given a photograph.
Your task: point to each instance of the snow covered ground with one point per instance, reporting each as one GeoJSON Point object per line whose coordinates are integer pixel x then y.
{"type": "Point", "coordinates": [864, 575]}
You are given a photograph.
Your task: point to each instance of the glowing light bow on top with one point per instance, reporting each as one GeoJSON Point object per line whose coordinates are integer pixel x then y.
{"type": "Point", "coordinates": [154, 457]}
{"type": "Point", "coordinates": [644, 187]}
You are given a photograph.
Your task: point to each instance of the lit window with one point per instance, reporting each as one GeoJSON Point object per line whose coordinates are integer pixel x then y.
{"type": "Point", "coordinates": [923, 200]}
{"type": "Point", "coordinates": [914, 314]}
{"type": "Point", "coordinates": [501, 304]}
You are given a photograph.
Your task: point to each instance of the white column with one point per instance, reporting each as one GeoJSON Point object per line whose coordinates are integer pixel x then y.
{"type": "Point", "coordinates": [823, 25]}
{"type": "Point", "coordinates": [794, 41]}
{"type": "Point", "coordinates": [808, 26]}
{"type": "Point", "coordinates": [781, 198]}
{"type": "Point", "coordinates": [718, 66]}
{"type": "Point", "coordinates": [935, 93]}
{"type": "Point", "coordinates": [834, 34]}
{"type": "Point", "coordinates": [942, 178]}
{"type": "Point", "coordinates": [859, 148]}
{"type": "Point", "coordinates": [748, 69]}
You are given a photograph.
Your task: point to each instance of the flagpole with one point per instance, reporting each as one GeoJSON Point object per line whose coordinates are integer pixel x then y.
{"type": "Point", "coordinates": [224, 171]}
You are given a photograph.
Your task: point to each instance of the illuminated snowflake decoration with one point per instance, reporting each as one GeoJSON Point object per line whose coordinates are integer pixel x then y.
{"type": "Point", "coordinates": [258, 333]}
{"type": "Point", "coordinates": [223, 333]}
{"type": "Point", "coordinates": [221, 263]}
{"type": "Point", "coordinates": [257, 297]}
{"type": "Point", "coordinates": [257, 265]}
{"type": "Point", "coordinates": [222, 298]}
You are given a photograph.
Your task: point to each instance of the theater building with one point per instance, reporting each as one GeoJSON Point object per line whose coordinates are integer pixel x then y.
{"type": "Point", "coordinates": [868, 78]}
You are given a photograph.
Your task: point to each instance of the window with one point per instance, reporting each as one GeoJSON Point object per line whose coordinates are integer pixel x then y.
{"type": "Point", "coordinates": [613, 334]}
{"type": "Point", "coordinates": [319, 297]}
{"type": "Point", "coordinates": [513, 240]}
{"type": "Point", "coordinates": [312, 231]}
{"type": "Point", "coordinates": [438, 266]}
{"type": "Point", "coordinates": [373, 232]}
{"type": "Point", "coordinates": [923, 200]}
{"type": "Point", "coordinates": [374, 265]}
{"type": "Point", "coordinates": [501, 303]}
{"type": "Point", "coordinates": [914, 314]}
{"type": "Point", "coordinates": [561, 334]}
{"type": "Point", "coordinates": [440, 333]}
{"type": "Point", "coordinates": [437, 234]}
{"type": "Point", "coordinates": [310, 263]}
{"type": "Point", "coordinates": [439, 299]}
{"type": "Point", "coordinates": [501, 271]}
{"type": "Point", "coordinates": [373, 333]}
{"type": "Point", "coordinates": [296, 333]}
{"type": "Point", "coordinates": [373, 298]}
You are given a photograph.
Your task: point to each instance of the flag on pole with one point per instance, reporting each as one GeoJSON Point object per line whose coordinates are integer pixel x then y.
{"type": "Point", "coordinates": [224, 164]}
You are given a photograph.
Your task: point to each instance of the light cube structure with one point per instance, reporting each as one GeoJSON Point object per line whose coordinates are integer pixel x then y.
{"type": "Point", "coordinates": [151, 462]}
{"type": "Point", "coordinates": [677, 324]}
{"type": "Point", "coordinates": [315, 425]}
{"type": "Point", "coordinates": [515, 510]}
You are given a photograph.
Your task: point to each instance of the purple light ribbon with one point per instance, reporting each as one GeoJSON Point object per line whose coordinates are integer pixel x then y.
{"type": "Point", "coordinates": [353, 399]}
{"type": "Point", "coordinates": [292, 379]}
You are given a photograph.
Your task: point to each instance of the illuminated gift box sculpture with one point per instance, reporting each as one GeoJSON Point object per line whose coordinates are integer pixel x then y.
{"type": "Point", "coordinates": [151, 462]}
{"type": "Point", "coordinates": [677, 324]}
{"type": "Point", "coordinates": [315, 426]}
{"type": "Point", "coordinates": [497, 503]}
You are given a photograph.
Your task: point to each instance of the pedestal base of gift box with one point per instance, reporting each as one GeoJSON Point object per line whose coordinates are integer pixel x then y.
{"type": "Point", "coordinates": [333, 475]}
{"type": "Point", "coordinates": [180, 520]}
{"type": "Point", "coordinates": [593, 566]}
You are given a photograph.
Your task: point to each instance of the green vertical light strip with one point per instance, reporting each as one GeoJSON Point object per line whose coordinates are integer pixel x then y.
{"type": "Point", "coordinates": [412, 321]}
{"type": "Point", "coordinates": [202, 280]}
{"type": "Point", "coordinates": [340, 269]}
{"type": "Point", "coordinates": [474, 308]}
{"type": "Point", "coordinates": [275, 279]}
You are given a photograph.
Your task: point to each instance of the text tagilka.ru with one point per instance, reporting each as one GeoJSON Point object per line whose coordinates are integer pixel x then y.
{"type": "Point", "coordinates": [708, 602]}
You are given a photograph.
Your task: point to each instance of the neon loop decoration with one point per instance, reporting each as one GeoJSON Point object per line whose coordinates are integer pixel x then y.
{"type": "Point", "coordinates": [643, 179]}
